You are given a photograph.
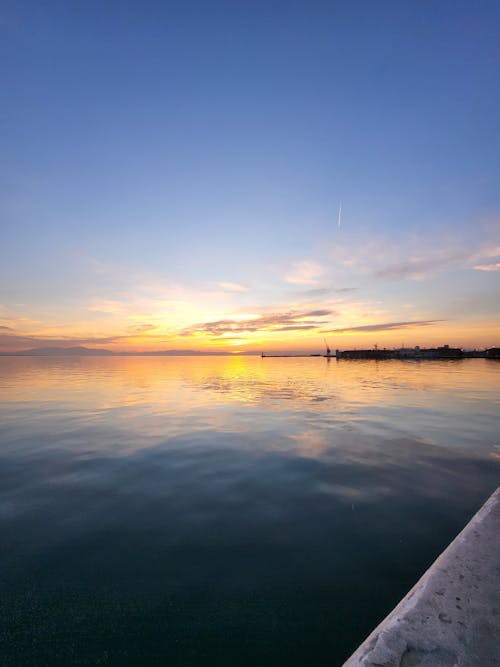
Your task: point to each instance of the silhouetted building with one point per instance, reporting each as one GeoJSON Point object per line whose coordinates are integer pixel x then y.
{"type": "Point", "coordinates": [367, 354]}
{"type": "Point", "coordinates": [444, 352]}
{"type": "Point", "coordinates": [447, 352]}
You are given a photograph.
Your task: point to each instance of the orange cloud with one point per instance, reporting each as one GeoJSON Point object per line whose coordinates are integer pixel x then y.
{"type": "Point", "coordinates": [488, 267]}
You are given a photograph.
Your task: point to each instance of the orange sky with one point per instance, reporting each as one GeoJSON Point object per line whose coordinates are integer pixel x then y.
{"type": "Point", "coordinates": [212, 183]}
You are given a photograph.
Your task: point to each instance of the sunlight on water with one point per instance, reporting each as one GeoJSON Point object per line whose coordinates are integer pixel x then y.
{"type": "Point", "coordinates": [186, 507]}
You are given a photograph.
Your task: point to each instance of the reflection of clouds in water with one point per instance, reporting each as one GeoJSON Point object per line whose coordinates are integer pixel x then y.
{"type": "Point", "coordinates": [210, 474]}
{"type": "Point", "coordinates": [312, 443]}
{"type": "Point", "coordinates": [354, 493]}
{"type": "Point", "coordinates": [361, 414]}
{"type": "Point", "coordinates": [151, 389]}
{"type": "Point", "coordinates": [253, 390]}
{"type": "Point", "coordinates": [226, 513]}
{"type": "Point", "coordinates": [145, 480]}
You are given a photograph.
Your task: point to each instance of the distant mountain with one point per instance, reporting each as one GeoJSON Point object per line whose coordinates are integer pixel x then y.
{"type": "Point", "coordinates": [188, 353]}
{"type": "Point", "coordinates": [79, 351]}
{"type": "Point", "coordinates": [66, 351]}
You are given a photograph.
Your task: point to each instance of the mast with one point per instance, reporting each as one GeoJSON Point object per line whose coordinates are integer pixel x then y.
{"type": "Point", "coordinates": [328, 351]}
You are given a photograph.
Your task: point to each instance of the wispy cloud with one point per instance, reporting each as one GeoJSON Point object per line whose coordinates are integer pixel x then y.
{"type": "Point", "coordinates": [426, 263]}
{"type": "Point", "coordinates": [316, 292]}
{"type": "Point", "coordinates": [107, 306]}
{"type": "Point", "coordinates": [289, 321]}
{"type": "Point", "coordinates": [487, 267]}
{"type": "Point", "coordinates": [13, 342]}
{"type": "Point", "coordinates": [420, 267]}
{"type": "Point", "coordinates": [306, 272]}
{"type": "Point", "coordinates": [385, 326]}
{"type": "Point", "coordinates": [232, 287]}
{"type": "Point", "coordinates": [141, 328]}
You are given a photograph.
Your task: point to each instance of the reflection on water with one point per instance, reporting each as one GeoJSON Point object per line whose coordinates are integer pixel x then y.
{"type": "Point", "coordinates": [191, 511]}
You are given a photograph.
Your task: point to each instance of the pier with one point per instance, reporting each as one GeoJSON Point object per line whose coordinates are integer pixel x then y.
{"type": "Point", "coordinates": [451, 617]}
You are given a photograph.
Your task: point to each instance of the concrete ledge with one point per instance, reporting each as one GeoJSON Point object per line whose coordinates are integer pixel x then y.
{"type": "Point", "coordinates": [451, 617]}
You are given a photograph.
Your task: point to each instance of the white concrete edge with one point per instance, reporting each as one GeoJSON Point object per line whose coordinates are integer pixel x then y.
{"type": "Point", "coordinates": [415, 595]}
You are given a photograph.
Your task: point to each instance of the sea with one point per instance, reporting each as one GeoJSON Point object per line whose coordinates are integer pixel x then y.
{"type": "Point", "coordinates": [228, 510]}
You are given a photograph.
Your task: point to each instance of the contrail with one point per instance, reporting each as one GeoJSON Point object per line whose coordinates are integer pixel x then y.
{"type": "Point", "coordinates": [340, 215]}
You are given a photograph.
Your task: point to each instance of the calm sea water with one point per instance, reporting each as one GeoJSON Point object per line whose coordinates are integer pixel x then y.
{"type": "Point", "coordinates": [228, 511]}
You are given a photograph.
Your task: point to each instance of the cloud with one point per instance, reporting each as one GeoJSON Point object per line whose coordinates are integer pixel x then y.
{"type": "Point", "coordinates": [305, 272]}
{"type": "Point", "coordinates": [325, 291]}
{"type": "Point", "coordinates": [318, 313]}
{"type": "Point", "coordinates": [108, 306]}
{"type": "Point", "coordinates": [141, 328]}
{"type": "Point", "coordinates": [233, 287]}
{"type": "Point", "coordinates": [487, 267]}
{"type": "Point", "coordinates": [4, 328]}
{"type": "Point", "coordinates": [428, 264]}
{"type": "Point", "coordinates": [13, 342]}
{"type": "Point", "coordinates": [386, 326]}
{"type": "Point", "coordinates": [295, 320]}
{"type": "Point", "coordinates": [418, 268]}
{"type": "Point", "coordinates": [298, 327]}
{"type": "Point", "coordinates": [315, 292]}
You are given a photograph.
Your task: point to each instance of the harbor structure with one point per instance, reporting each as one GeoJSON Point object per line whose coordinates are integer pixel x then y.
{"type": "Point", "coordinates": [402, 353]}
{"type": "Point", "coordinates": [450, 617]}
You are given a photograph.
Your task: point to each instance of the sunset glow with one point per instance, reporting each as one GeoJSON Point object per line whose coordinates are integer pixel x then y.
{"type": "Point", "coordinates": [145, 209]}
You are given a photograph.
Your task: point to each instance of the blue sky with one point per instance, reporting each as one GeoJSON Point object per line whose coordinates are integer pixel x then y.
{"type": "Point", "coordinates": [183, 163]}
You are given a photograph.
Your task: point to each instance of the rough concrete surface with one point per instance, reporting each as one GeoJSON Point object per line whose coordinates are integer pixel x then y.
{"type": "Point", "coordinates": [451, 617]}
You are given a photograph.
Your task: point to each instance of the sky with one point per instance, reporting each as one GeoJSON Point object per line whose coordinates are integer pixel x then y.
{"type": "Point", "coordinates": [171, 175]}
